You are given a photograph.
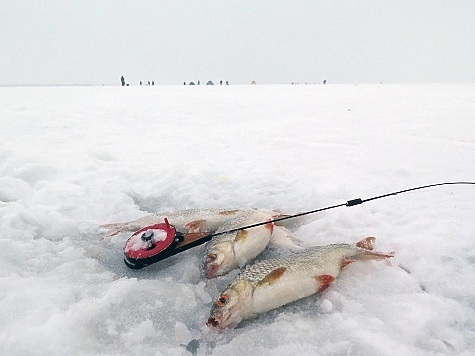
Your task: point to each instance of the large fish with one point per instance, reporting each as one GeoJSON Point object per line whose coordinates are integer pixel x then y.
{"type": "Point", "coordinates": [229, 251]}
{"type": "Point", "coordinates": [191, 221]}
{"type": "Point", "coordinates": [270, 284]}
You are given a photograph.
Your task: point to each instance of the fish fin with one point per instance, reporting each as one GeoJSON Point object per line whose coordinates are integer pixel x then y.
{"type": "Point", "coordinates": [270, 227]}
{"type": "Point", "coordinates": [346, 261]}
{"type": "Point", "coordinates": [114, 229]}
{"type": "Point", "coordinates": [293, 223]}
{"type": "Point", "coordinates": [228, 212]}
{"type": "Point", "coordinates": [196, 226]}
{"type": "Point", "coordinates": [272, 276]}
{"type": "Point", "coordinates": [285, 239]}
{"type": "Point", "coordinates": [375, 255]}
{"type": "Point", "coordinates": [324, 281]}
{"type": "Point", "coordinates": [367, 243]}
{"type": "Point", "coordinates": [241, 235]}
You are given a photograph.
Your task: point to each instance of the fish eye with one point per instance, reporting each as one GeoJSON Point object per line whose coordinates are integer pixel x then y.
{"type": "Point", "coordinates": [222, 300]}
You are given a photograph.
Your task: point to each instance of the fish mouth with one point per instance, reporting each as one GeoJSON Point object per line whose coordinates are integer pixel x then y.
{"type": "Point", "coordinates": [216, 322]}
{"type": "Point", "coordinates": [221, 321]}
{"type": "Point", "coordinates": [213, 322]}
{"type": "Point", "coordinates": [211, 270]}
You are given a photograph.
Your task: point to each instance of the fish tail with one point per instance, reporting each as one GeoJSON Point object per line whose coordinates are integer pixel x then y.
{"type": "Point", "coordinates": [375, 255]}
{"type": "Point", "coordinates": [366, 247]}
{"type": "Point", "coordinates": [367, 243]}
{"type": "Point", "coordinates": [113, 229]}
{"type": "Point", "coordinates": [291, 223]}
{"type": "Point", "coordinates": [283, 238]}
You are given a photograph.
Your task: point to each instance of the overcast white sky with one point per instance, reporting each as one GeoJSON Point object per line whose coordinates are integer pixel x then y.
{"type": "Point", "coordinates": [270, 41]}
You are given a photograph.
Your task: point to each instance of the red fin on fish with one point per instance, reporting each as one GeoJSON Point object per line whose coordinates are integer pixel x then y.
{"type": "Point", "coordinates": [270, 226]}
{"type": "Point", "coordinates": [196, 226]}
{"type": "Point", "coordinates": [345, 262]}
{"type": "Point", "coordinates": [367, 243]}
{"type": "Point", "coordinates": [324, 281]}
{"type": "Point", "coordinates": [241, 235]}
{"type": "Point", "coordinates": [273, 276]}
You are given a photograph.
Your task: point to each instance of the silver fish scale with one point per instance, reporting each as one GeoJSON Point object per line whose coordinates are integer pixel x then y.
{"type": "Point", "coordinates": [217, 240]}
{"type": "Point", "coordinates": [179, 217]}
{"type": "Point", "coordinates": [305, 262]}
{"type": "Point", "coordinates": [196, 213]}
{"type": "Point", "coordinates": [239, 220]}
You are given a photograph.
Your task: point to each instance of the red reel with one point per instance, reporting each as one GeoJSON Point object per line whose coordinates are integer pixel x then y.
{"type": "Point", "coordinates": [144, 246]}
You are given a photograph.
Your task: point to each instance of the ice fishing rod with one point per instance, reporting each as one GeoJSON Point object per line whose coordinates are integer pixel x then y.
{"type": "Point", "coordinates": [174, 242]}
{"type": "Point", "coordinates": [349, 203]}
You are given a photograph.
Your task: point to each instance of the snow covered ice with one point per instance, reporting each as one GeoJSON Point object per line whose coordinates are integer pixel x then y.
{"type": "Point", "coordinates": [73, 158]}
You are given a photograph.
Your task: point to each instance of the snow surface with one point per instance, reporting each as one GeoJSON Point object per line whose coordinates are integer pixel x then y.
{"type": "Point", "coordinates": [72, 158]}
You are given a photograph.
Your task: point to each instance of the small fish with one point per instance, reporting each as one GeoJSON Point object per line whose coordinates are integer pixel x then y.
{"type": "Point", "coordinates": [272, 283]}
{"type": "Point", "coordinates": [191, 221]}
{"type": "Point", "coordinates": [227, 252]}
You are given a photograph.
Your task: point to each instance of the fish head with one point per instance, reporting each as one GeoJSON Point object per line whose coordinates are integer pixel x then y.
{"type": "Point", "coordinates": [232, 306]}
{"type": "Point", "coordinates": [219, 259]}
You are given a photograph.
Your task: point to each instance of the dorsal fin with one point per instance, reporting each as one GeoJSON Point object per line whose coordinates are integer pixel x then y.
{"type": "Point", "coordinates": [228, 212]}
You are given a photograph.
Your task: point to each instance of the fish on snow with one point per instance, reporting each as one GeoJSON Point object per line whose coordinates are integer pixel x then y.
{"type": "Point", "coordinates": [190, 221]}
{"type": "Point", "coordinates": [272, 283]}
{"type": "Point", "coordinates": [229, 251]}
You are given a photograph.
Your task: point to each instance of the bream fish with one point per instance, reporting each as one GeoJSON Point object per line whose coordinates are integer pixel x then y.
{"type": "Point", "coordinates": [272, 283]}
{"type": "Point", "coordinates": [191, 221]}
{"type": "Point", "coordinates": [229, 251]}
